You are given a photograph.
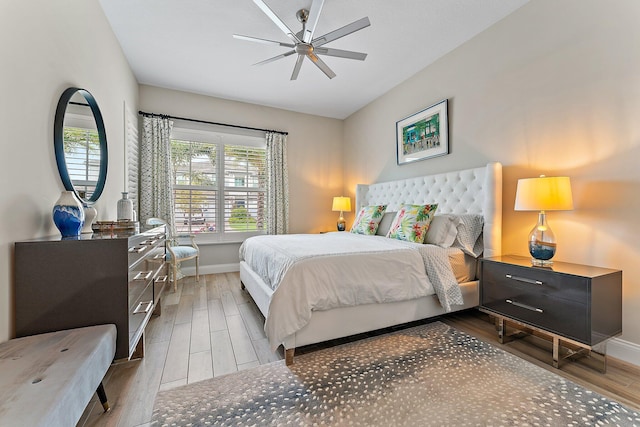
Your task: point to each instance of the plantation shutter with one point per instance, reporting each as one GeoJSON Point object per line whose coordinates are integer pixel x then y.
{"type": "Point", "coordinates": [132, 156]}
{"type": "Point", "coordinates": [244, 188]}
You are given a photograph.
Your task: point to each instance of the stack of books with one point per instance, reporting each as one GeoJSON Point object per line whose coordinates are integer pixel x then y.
{"type": "Point", "coordinates": [115, 227]}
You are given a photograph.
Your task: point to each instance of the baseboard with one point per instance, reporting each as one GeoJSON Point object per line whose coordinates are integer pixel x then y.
{"type": "Point", "coordinates": [211, 269]}
{"type": "Point", "coordinates": [624, 350]}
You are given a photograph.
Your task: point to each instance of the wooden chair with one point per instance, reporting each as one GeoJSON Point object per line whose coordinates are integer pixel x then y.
{"type": "Point", "coordinates": [178, 251]}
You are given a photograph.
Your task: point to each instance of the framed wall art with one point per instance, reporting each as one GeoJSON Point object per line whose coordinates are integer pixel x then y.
{"type": "Point", "coordinates": [423, 135]}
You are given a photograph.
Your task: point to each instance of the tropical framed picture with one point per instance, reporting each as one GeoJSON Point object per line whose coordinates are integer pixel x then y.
{"type": "Point", "coordinates": [423, 135]}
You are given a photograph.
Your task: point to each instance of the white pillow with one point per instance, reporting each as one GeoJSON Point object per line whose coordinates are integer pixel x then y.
{"type": "Point", "coordinates": [385, 223]}
{"type": "Point", "coordinates": [469, 237]}
{"type": "Point", "coordinates": [443, 230]}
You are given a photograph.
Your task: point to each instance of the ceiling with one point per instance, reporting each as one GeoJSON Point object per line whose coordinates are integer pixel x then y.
{"type": "Point", "coordinates": [188, 45]}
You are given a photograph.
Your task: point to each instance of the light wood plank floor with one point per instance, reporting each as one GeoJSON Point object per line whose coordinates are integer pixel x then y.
{"type": "Point", "coordinates": [212, 327]}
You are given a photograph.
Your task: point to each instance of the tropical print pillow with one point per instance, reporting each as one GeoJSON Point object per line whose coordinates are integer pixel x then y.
{"type": "Point", "coordinates": [368, 219]}
{"type": "Point", "coordinates": [412, 222]}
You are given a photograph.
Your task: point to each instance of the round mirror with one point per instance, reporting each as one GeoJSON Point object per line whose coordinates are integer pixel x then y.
{"type": "Point", "coordinates": [80, 144]}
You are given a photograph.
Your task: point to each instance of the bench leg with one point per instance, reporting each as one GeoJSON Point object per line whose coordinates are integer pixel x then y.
{"type": "Point", "coordinates": [103, 397]}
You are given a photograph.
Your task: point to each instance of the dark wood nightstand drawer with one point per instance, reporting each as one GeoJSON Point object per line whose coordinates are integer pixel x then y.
{"type": "Point", "coordinates": [537, 280]}
{"type": "Point", "coordinates": [561, 316]}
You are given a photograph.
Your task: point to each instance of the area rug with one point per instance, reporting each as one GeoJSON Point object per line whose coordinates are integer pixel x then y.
{"type": "Point", "coordinates": [429, 375]}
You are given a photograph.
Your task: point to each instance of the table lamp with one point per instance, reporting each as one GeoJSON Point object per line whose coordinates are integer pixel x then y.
{"type": "Point", "coordinates": [341, 204]}
{"type": "Point", "coordinates": [543, 194]}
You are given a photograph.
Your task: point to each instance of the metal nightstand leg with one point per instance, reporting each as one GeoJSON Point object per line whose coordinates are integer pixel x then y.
{"type": "Point", "coordinates": [503, 335]}
{"type": "Point", "coordinates": [594, 357]}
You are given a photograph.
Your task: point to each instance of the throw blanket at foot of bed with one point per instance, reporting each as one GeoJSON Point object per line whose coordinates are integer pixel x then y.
{"type": "Point", "coordinates": [319, 272]}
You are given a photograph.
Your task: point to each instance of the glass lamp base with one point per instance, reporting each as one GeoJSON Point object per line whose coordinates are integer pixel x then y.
{"type": "Point", "coordinates": [541, 253]}
{"type": "Point", "coordinates": [541, 262]}
{"type": "Point", "coordinates": [542, 243]}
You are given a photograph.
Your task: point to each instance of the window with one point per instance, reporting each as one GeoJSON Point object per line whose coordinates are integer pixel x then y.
{"type": "Point", "coordinates": [219, 183]}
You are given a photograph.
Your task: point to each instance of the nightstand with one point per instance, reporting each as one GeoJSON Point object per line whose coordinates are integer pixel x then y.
{"type": "Point", "coordinates": [577, 304]}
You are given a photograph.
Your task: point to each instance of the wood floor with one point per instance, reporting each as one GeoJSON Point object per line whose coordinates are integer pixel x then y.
{"type": "Point", "coordinates": [212, 327]}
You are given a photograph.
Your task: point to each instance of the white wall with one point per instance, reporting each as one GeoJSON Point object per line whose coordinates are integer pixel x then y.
{"type": "Point", "coordinates": [554, 88]}
{"type": "Point", "coordinates": [314, 155]}
{"type": "Point", "coordinates": [46, 47]}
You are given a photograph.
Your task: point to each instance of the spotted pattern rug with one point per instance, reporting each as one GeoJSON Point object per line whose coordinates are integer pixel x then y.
{"type": "Point", "coordinates": [429, 375]}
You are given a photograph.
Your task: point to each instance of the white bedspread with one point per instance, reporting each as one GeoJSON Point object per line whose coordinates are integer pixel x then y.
{"type": "Point", "coordinates": [322, 271]}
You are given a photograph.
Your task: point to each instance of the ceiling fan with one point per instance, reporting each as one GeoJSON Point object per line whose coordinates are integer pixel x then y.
{"type": "Point", "coordinates": [304, 44]}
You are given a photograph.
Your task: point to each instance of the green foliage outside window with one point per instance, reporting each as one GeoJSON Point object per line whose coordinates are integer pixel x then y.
{"type": "Point", "coordinates": [241, 220]}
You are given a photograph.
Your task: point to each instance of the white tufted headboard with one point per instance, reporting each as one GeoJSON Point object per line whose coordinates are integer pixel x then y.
{"type": "Point", "coordinates": [469, 191]}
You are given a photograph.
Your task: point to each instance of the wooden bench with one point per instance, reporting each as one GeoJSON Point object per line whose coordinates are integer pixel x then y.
{"type": "Point", "coordinates": [49, 379]}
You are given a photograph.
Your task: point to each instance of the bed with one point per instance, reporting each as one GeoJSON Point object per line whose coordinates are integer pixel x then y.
{"type": "Point", "coordinates": [465, 194]}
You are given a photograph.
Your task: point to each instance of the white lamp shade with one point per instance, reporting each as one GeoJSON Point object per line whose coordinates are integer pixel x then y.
{"type": "Point", "coordinates": [544, 194]}
{"type": "Point", "coordinates": [341, 204]}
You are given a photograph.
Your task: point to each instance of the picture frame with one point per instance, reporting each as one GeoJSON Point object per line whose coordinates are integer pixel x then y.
{"type": "Point", "coordinates": [423, 135]}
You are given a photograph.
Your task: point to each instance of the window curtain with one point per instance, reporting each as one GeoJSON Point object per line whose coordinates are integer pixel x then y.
{"type": "Point", "coordinates": [156, 194]}
{"type": "Point", "coordinates": [277, 184]}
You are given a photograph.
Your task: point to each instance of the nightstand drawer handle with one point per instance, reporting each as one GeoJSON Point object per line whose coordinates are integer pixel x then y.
{"type": "Point", "coordinates": [523, 279]}
{"type": "Point", "coordinates": [528, 307]}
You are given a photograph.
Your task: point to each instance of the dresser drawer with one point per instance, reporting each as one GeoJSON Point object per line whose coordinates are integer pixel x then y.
{"type": "Point", "coordinates": [561, 316]}
{"type": "Point", "coordinates": [139, 312]}
{"type": "Point", "coordinates": [538, 281]}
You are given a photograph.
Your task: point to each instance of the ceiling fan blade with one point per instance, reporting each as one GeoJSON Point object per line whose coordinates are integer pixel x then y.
{"type": "Point", "coordinates": [263, 41]}
{"type": "Point", "coordinates": [341, 32]}
{"type": "Point", "coordinates": [276, 20]}
{"type": "Point", "coordinates": [320, 64]}
{"type": "Point", "coordinates": [312, 20]}
{"type": "Point", "coordinates": [275, 58]}
{"type": "Point", "coordinates": [296, 69]}
{"type": "Point", "coordinates": [340, 53]}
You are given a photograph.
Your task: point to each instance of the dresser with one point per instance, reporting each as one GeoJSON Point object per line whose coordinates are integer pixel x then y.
{"type": "Point", "coordinates": [579, 304]}
{"type": "Point", "coordinates": [94, 279]}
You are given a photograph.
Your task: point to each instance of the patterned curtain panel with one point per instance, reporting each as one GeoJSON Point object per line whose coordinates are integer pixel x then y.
{"type": "Point", "coordinates": [277, 184]}
{"type": "Point", "coordinates": [156, 195]}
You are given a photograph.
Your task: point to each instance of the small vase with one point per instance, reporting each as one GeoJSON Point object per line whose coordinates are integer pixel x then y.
{"type": "Point", "coordinates": [68, 214]}
{"type": "Point", "coordinates": [90, 214]}
{"type": "Point", "coordinates": [125, 207]}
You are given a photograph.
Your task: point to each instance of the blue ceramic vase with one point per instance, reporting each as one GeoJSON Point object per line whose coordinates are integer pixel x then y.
{"type": "Point", "coordinates": [68, 214]}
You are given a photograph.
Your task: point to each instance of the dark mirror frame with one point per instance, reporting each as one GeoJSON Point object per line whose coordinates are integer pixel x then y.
{"type": "Point", "coordinates": [58, 141]}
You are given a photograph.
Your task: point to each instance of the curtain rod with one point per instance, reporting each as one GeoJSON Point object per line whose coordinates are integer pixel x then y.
{"type": "Point", "coordinates": [210, 123]}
